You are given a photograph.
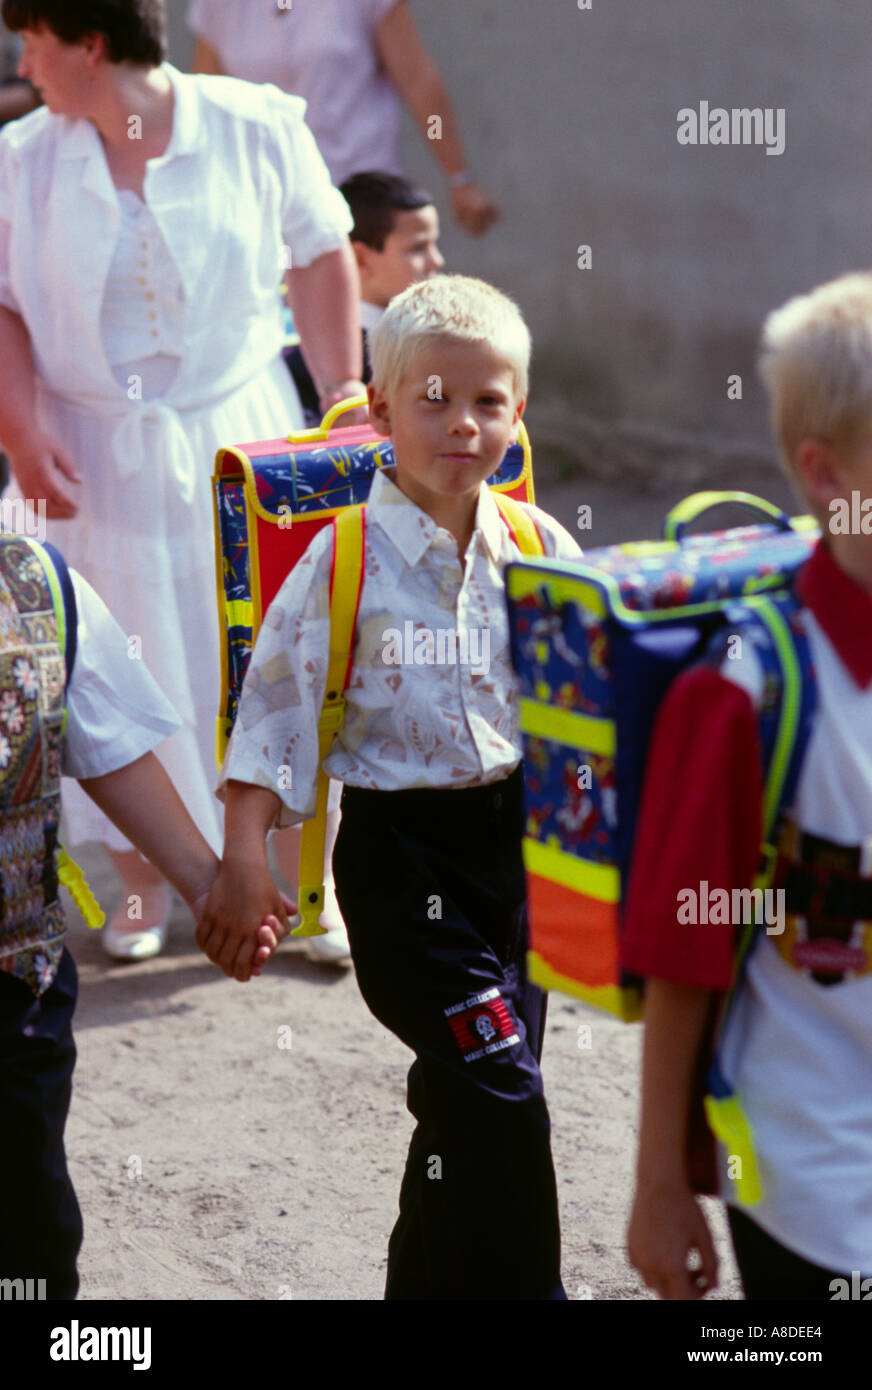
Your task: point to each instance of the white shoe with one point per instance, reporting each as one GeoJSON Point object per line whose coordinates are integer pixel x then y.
{"type": "Point", "coordinates": [134, 945]}
{"type": "Point", "coordinates": [137, 945]}
{"type": "Point", "coordinates": [332, 948]}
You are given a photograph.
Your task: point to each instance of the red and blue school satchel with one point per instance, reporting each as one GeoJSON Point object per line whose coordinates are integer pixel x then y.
{"type": "Point", "coordinates": [272, 497]}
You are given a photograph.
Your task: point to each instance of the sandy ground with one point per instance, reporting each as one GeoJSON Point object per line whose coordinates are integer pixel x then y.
{"type": "Point", "coordinates": [211, 1162]}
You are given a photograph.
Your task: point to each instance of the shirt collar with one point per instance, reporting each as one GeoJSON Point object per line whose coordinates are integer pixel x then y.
{"type": "Point", "coordinates": [412, 531]}
{"type": "Point", "coordinates": [369, 314]}
{"type": "Point", "coordinates": [82, 138]}
{"type": "Point", "coordinates": [843, 608]}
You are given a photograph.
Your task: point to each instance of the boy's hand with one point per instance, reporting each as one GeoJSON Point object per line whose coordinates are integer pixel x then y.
{"type": "Point", "coordinates": [270, 934]}
{"type": "Point", "coordinates": [233, 930]}
{"type": "Point", "coordinates": [665, 1226]}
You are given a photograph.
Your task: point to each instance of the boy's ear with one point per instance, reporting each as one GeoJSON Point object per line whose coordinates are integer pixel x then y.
{"type": "Point", "coordinates": [379, 411]}
{"type": "Point", "coordinates": [820, 472]}
{"type": "Point", "coordinates": [516, 423]}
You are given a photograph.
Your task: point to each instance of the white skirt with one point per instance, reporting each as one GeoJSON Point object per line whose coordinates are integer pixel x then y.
{"type": "Point", "coordinates": [151, 557]}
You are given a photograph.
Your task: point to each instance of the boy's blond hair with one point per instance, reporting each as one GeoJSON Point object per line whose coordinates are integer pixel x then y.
{"type": "Point", "coordinates": [816, 362]}
{"type": "Point", "coordinates": [455, 307]}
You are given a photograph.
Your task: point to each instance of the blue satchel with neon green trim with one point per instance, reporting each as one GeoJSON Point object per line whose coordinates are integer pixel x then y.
{"type": "Point", "coordinates": [596, 644]}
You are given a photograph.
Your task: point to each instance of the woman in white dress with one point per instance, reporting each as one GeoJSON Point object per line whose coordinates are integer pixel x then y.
{"type": "Point", "coordinates": [145, 219]}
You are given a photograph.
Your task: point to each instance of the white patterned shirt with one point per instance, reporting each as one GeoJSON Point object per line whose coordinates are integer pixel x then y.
{"type": "Point", "coordinates": [431, 699]}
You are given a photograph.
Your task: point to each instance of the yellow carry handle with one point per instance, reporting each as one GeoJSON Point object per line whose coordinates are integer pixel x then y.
{"type": "Point", "coordinates": [71, 876]}
{"type": "Point", "coordinates": [321, 431]}
{"type": "Point", "coordinates": [346, 583]}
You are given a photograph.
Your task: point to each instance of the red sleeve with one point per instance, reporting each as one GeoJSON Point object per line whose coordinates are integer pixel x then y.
{"type": "Point", "coordinates": [700, 820]}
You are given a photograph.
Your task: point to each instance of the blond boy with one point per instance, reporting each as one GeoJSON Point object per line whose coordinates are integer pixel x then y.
{"type": "Point", "coordinates": [427, 864]}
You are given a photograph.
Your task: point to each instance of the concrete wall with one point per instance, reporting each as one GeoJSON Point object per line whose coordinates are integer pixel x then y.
{"type": "Point", "coordinates": [570, 120]}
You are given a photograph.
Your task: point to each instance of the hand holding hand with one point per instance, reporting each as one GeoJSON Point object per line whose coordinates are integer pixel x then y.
{"type": "Point", "coordinates": [234, 928]}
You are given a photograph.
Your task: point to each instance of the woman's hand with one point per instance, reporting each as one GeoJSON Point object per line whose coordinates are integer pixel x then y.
{"type": "Point", "coordinates": [42, 469]}
{"type": "Point", "coordinates": [473, 209]}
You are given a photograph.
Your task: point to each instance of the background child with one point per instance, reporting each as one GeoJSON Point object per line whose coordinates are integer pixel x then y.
{"type": "Point", "coordinates": [428, 860]}
{"type": "Point", "coordinates": [797, 1046]}
{"type": "Point", "coordinates": [395, 242]}
{"type": "Point", "coordinates": [115, 716]}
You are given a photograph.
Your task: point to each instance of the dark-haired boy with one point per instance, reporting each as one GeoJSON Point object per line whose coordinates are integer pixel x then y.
{"type": "Point", "coordinates": [395, 242]}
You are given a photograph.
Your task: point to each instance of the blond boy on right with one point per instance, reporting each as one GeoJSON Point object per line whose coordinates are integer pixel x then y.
{"type": "Point", "coordinates": [797, 1044]}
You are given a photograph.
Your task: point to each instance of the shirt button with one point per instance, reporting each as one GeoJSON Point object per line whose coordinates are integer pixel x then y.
{"type": "Point", "coordinates": [143, 280]}
{"type": "Point", "coordinates": [498, 800]}
{"type": "Point", "coordinates": [152, 315]}
{"type": "Point", "coordinates": [149, 295]}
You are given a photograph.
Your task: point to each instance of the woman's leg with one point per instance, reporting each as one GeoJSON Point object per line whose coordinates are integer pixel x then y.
{"type": "Point", "coordinates": [137, 928]}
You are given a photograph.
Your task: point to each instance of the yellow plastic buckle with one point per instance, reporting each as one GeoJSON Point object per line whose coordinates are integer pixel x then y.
{"type": "Point", "coordinates": [310, 905]}
{"type": "Point", "coordinates": [332, 716]}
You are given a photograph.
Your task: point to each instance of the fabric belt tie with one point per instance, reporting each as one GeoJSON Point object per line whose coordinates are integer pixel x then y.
{"type": "Point", "coordinates": [128, 444]}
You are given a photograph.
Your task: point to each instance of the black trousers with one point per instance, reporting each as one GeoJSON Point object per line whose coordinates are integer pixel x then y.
{"type": "Point", "coordinates": [40, 1221]}
{"type": "Point", "coordinates": [770, 1271]}
{"type": "Point", "coordinates": [431, 886]}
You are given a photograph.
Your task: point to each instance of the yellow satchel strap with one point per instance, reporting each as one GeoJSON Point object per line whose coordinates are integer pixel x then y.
{"type": "Point", "coordinates": [524, 531]}
{"type": "Point", "coordinates": [346, 582]}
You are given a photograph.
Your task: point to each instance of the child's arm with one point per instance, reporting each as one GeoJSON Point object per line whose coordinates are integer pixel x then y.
{"type": "Point", "coordinates": [142, 802]}
{"type": "Point", "coordinates": [667, 1222]}
{"type": "Point", "coordinates": [243, 896]}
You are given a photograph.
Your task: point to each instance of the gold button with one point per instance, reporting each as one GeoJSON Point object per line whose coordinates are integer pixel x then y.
{"type": "Point", "coordinates": [142, 280]}
{"type": "Point", "coordinates": [149, 295]}
{"type": "Point", "coordinates": [152, 315]}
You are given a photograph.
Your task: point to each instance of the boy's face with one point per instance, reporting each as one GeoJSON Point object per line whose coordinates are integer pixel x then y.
{"type": "Point", "coordinates": [410, 254]}
{"type": "Point", "coordinates": [451, 419]}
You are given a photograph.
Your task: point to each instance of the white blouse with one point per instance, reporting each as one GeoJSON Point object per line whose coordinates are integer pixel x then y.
{"type": "Point", "coordinates": [142, 322]}
{"type": "Point", "coordinates": [240, 185]}
{"type": "Point", "coordinates": [325, 51]}
{"type": "Point", "coordinates": [420, 711]}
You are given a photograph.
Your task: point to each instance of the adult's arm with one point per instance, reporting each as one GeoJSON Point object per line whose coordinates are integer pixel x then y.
{"type": "Point", "coordinates": [324, 299]}
{"type": "Point", "coordinates": [417, 78]}
{"type": "Point", "coordinates": [206, 59]}
{"type": "Point", "coordinates": [41, 467]}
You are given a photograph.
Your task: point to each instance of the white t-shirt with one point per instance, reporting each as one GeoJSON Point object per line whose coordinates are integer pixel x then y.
{"type": "Point", "coordinates": [799, 1053]}
{"type": "Point", "coordinates": [116, 711]}
{"type": "Point", "coordinates": [323, 50]}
